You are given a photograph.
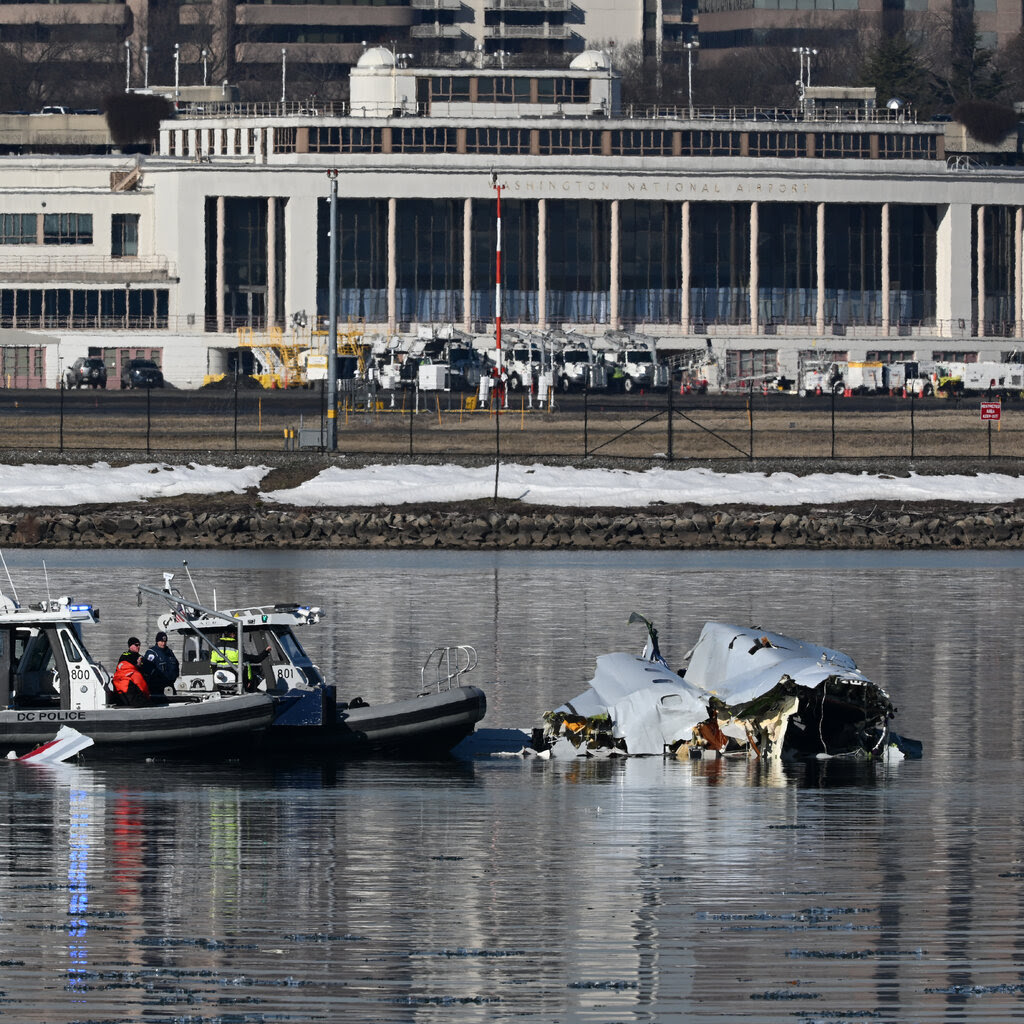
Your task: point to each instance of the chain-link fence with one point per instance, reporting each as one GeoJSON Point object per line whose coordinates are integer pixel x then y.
{"type": "Point", "coordinates": [406, 424]}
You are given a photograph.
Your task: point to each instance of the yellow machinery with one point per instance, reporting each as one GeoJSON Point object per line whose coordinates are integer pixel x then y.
{"type": "Point", "coordinates": [279, 359]}
{"type": "Point", "coordinates": [350, 344]}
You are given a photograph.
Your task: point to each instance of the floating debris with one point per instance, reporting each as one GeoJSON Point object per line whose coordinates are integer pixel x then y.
{"type": "Point", "coordinates": [748, 692]}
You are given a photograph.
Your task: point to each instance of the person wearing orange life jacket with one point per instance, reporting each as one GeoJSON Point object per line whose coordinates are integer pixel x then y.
{"type": "Point", "coordinates": [129, 683]}
{"type": "Point", "coordinates": [227, 654]}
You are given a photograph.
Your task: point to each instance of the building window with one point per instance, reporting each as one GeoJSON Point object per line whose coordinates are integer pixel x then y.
{"type": "Point", "coordinates": [67, 229]}
{"type": "Point", "coordinates": [563, 90]}
{"type": "Point", "coordinates": [497, 140]}
{"type": "Point", "coordinates": [744, 365]}
{"type": "Point", "coordinates": [18, 229]}
{"type": "Point", "coordinates": [285, 140]}
{"type": "Point", "coordinates": [570, 141]}
{"type": "Point", "coordinates": [124, 235]}
{"type": "Point", "coordinates": [641, 142]}
{"type": "Point", "coordinates": [449, 90]}
{"type": "Point", "coordinates": [503, 90]}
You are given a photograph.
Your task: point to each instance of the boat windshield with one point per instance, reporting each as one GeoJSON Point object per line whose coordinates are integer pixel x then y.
{"type": "Point", "coordinates": [297, 656]}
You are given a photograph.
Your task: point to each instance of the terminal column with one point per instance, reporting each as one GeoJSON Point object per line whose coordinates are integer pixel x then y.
{"type": "Point", "coordinates": [819, 270]}
{"type": "Point", "coordinates": [220, 264]}
{"type": "Point", "coordinates": [685, 303]}
{"type": "Point", "coordinates": [754, 284]}
{"type": "Point", "coordinates": [1018, 273]}
{"type": "Point", "coordinates": [467, 266]}
{"type": "Point", "coordinates": [271, 310]}
{"type": "Point", "coordinates": [953, 270]}
{"type": "Point", "coordinates": [613, 277]}
{"type": "Point", "coordinates": [885, 269]}
{"type": "Point", "coordinates": [392, 267]}
{"type": "Point", "coordinates": [980, 215]}
{"type": "Point", "coordinates": [542, 263]}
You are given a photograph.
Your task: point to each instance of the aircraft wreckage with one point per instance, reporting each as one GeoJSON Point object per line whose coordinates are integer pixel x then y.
{"type": "Point", "coordinates": [743, 691]}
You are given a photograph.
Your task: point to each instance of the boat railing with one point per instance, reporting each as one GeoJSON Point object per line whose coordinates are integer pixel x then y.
{"type": "Point", "coordinates": [444, 667]}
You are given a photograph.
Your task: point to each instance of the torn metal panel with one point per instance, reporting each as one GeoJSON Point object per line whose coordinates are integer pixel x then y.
{"type": "Point", "coordinates": [744, 690]}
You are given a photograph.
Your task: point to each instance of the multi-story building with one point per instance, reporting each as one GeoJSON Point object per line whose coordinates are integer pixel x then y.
{"type": "Point", "coordinates": [851, 230]}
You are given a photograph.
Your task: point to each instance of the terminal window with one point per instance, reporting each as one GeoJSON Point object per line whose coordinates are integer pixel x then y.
{"type": "Point", "coordinates": [18, 229]}
{"type": "Point", "coordinates": [67, 229]}
{"type": "Point", "coordinates": [124, 235]}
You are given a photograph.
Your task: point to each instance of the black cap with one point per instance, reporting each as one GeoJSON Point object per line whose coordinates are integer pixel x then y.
{"type": "Point", "coordinates": [161, 636]}
{"type": "Point", "coordinates": [134, 641]}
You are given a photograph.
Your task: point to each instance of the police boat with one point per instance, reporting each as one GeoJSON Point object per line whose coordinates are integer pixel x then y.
{"type": "Point", "coordinates": [48, 679]}
{"type": "Point", "coordinates": [255, 649]}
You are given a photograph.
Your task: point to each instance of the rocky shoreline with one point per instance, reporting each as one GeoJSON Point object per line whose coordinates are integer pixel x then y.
{"type": "Point", "coordinates": [245, 521]}
{"type": "Point", "coordinates": [874, 527]}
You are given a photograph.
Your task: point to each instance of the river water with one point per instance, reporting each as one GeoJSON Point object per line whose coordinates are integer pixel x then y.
{"type": "Point", "coordinates": [506, 890]}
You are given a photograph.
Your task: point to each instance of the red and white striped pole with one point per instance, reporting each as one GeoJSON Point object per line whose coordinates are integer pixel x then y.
{"type": "Point", "coordinates": [498, 280]}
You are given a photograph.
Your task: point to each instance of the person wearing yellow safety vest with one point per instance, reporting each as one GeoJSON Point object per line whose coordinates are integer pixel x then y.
{"type": "Point", "coordinates": [226, 652]}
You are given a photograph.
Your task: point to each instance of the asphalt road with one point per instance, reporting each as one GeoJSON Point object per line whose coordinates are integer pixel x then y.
{"type": "Point", "coordinates": [169, 402]}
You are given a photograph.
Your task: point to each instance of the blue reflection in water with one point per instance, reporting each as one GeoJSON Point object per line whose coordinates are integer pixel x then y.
{"type": "Point", "coordinates": [78, 890]}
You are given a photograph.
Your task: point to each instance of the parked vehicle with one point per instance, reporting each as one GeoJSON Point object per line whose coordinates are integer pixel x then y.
{"type": "Point", "coordinates": [637, 368]}
{"type": "Point", "coordinates": [141, 373]}
{"type": "Point", "coordinates": [576, 367]}
{"type": "Point", "coordinates": [87, 372]}
{"type": "Point", "coordinates": [911, 377]}
{"type": "Point", "coordinates": [1003, 379]}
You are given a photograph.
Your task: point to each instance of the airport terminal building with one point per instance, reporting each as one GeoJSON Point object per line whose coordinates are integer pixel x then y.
{"type": "Point", "coordinates": [846, 230]}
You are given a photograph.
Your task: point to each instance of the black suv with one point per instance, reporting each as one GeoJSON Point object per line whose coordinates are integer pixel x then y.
{"type": "Point", "coordinates": [86, 373]}
{"type": "Point", "coordinates": [141, 373]}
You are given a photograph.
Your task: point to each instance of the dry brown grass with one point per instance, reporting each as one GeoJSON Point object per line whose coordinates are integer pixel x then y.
{"type": "Point", "coordinates": [704, 434]}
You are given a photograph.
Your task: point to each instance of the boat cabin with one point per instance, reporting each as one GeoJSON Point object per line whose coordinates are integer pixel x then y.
{"type": "Point", "coordinates": [271, 657]}
{"type": "Point", "coordinates": [44, 662]}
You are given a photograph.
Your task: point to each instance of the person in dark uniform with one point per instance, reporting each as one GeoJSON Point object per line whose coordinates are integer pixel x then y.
{"type": "Point", "coordinates": [160, 666]}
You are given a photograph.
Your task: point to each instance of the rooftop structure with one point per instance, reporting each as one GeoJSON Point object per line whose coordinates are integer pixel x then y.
{"type": "Point", "coordinates": [774, 232]}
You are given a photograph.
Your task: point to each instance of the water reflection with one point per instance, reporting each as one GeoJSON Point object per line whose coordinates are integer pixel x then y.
{"type": "Point", "coordinates": [506, 890]}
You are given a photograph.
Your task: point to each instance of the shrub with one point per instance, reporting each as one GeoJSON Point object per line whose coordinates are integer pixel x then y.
{"type": "Point", "coordinates": [986, 121]}
{"type": "Point", "coordinates": [134, 118]}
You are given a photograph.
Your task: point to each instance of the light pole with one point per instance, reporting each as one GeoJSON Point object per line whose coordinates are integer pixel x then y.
{"type": "Point", "coordinates": [127, 65]}
{"type": "Point", "coordinates": [331, 441]}
{"type": "Point", "coordinates": [177, 67]}
{"type": "Point", "coordinates": [204, 54]}
{"type": "Point", "coordinates": [145, 67]}
{"type": "Point", "coordinates": [284, 60]}
{"type": "Point", "coordinates": [804, 81]}
{"type": "Point", "coordinates": [690, 47]}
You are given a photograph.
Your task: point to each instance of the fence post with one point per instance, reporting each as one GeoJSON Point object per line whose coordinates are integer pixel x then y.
{"type": "Point", "coordinates": [236, 406]}
{"type": "Point", "coordinates": [833, 422]}
{"type": "Point", "coordinates": [750, 416]}
{"type": "Point", "coordinates": [61, 385]}
{"type": "Point", "coordinates": [911, 424]}
{"type": "Point", "coordinates": [414, 401]}
{"type": "Point", "coordinates": [586, 395]}
{"type": "Point", "coordinates": [670, 399]}
{"type": "Point", "coordinates": [149, 418]}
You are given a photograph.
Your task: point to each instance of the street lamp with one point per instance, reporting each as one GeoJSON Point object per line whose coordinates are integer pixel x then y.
{"type": "Point", "coordinates": [127, 65]}
{"type": "Point", "coordinates": [804, 81]}
{"type": "Point", "coordinates": [284, 59]}
{"type": "Point", "coordinates": [177, 66]}
{"type": "Point", "coordinates": [690, 47]}
{"type": "Point", "coordinates": [145, 67]}
{"type": "Point", "coordinates": [204, 53]}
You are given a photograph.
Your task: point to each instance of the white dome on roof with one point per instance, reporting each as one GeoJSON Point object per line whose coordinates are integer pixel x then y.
{"type": "Point", "coordinates": [376, 57]}
{"type": "Point", "coordinates": [591, 60]}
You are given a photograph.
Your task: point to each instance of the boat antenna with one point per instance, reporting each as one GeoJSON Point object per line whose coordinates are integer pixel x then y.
{"type": "Point", "coordinates": [195, 592]}
{"type": "Point", "coordinates": [46, 576]}
{"type": "Point", "coordinates": [14, 591]}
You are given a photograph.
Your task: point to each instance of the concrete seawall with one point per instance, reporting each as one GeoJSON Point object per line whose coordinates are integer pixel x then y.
{"type": "Point", "coordinates": [872, 527]}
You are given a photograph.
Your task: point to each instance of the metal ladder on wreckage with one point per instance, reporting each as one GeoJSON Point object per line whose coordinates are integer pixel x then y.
{"type": "Point", "coordinates": [448, 665]}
